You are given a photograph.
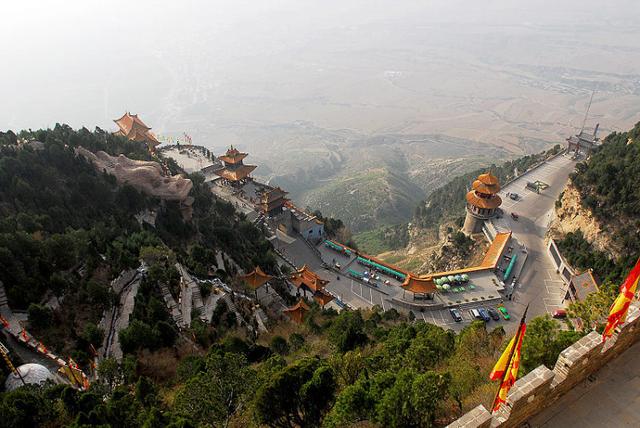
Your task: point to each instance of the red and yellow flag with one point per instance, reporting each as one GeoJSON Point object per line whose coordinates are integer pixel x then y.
{"type": "Point", "coordinates": [620, 306]}
{"type": "Point", "coordinates": [507, 366]}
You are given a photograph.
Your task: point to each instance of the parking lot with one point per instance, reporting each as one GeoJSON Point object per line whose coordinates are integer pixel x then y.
{"type": "Point", "coordinates": [443, 318]}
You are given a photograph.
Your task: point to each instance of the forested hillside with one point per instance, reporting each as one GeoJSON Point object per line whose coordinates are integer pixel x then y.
{"type": "Point", "coordinates": [57, 212]}
{"type": "Point", "coordinates": [608, 187]}
{"type": "Point", "coordinates": [68, 230]}
{"type": "Point", "coordinates": [448, 201]}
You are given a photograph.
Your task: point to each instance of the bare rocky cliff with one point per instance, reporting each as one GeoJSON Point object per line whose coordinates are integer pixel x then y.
{"type": "Point", "coordinates": [572, 216]}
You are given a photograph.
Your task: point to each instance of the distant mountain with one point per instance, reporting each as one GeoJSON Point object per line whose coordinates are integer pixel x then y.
{"type": "Point", "coordinates": [367, 181]}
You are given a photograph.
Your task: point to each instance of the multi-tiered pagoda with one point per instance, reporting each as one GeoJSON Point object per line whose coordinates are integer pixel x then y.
{"type": "Point", "coordinates": [482, 202]}
{"type": "Point", "coordinates": [133, 128]}
{"type": "Point", "coordinates": [234, 170]}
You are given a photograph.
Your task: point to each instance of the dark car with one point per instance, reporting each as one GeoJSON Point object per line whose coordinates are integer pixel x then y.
{"type": "Point", "coordinates": [455, 314]}
{"type": "Point", "coordinates": [515, 216]}
{"type": "Point", "coordinates": [494, 314]}
{"type": "Point", "coordinates": [484, 315]}
{"type": "Point", "coordinates": [513, 196]}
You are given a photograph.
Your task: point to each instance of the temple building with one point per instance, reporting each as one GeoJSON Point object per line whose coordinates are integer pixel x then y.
{"type": "Point", "coordinates": [272, 200]}
{"type": "Point", "coordinates": [297, 312]}
{"type": "Point", "coordinates": [133, 128]}
{"type": "Point", "coordinates": [234, 170]}
{"type": "Point", "coordinates": [306, 280]}
{"type": "Point", "coordinates": [482, 202]}
{"type": "Point", "coordinates": [298, 221]}
{"type": "Point", "coordinates": [322, 297]}
{"type": "Point", "coordinates": [583, 141]}
{"type": "Point", "coordinates": [419, 287]}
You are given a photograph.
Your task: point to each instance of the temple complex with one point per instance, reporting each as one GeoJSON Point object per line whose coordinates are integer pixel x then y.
{"type": "Point", "coordinates": [234, 170]}
{"type": "Point", "coordinates": [482, 202]}
{"type": "Point", "coordinates": [133, 128]}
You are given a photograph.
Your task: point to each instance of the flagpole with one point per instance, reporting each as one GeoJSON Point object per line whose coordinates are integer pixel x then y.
{"type": "Point", "coordinates": [510, 363]}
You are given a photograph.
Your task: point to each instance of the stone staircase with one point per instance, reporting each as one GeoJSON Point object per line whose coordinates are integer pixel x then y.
{"type": "Point", "coordinates": [171, 305]}
{"type": "Point", "coordinates": [4, 302]}
{"type": "Point", "coordinates": [196, 299]}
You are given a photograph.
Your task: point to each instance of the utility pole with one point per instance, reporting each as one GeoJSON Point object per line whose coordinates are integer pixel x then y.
{"type": "Point", "coordinates": [586, 114]}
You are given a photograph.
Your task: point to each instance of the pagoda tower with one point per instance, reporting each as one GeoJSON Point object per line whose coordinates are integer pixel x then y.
{"type": "Point", "coordinates": [234, 170]}
{"type": "Point", "coordinates": [482, 202]}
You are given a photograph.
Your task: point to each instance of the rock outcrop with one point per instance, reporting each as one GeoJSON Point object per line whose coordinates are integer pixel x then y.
{"type": "Point", "coordinates": [146, 176]}
{"type": "Point", "coordinates": [572, 216]}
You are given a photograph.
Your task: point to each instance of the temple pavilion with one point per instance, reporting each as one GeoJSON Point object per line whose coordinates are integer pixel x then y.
{"type": "Point", "coordinates": [256, 279]}
{"type": "Point", "coordinates": [423, 287]}
{"type": "Point", "coordinates": [234, 170]}
{"type": "Point", "coordinates": [133, 128]}
{"type": "Point", "coordinates": [297, 312]}
{"type": "Point", "coordinates": [306, 280]}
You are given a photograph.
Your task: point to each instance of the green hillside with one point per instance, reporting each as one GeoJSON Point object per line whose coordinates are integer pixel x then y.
{"type": "Point", "coordinates": [366, 199]}
{"type": "Point", "coordinates": [608, 186]}
{"type": "Point", "coordinates": [67, 230]}
{"type": "Point", "coordinates": [448, 201]}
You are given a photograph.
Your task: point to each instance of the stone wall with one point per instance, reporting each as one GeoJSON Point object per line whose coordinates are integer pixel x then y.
{"type": "Point", "coordinates": [562, 266]}
{"type": "Point", "coordinates": [541, 387]}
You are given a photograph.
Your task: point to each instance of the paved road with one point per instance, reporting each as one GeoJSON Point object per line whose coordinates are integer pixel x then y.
{"type": "Point", "coordinates": [539, 284]}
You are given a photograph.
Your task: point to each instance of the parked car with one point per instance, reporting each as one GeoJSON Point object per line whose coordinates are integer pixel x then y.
{"type": "Point", "coordinates": [515, 216]}
{"type": "Point", "coordinates": [476, 314]}
{"type": "Point", "coordinates": [514, 196]}
{"type": "Point", "coordinates": [455, 314]}
{"type": "Point", "coordinates": [337, 266]}
{"type": "Point", "coordinates": [495, 315]}
{"type": "Point", "coordinates": [559, 313]}
{"type": "Point", "coordinates": [505, 313]}
{"type": "Point", "coordinates": [484, 315]}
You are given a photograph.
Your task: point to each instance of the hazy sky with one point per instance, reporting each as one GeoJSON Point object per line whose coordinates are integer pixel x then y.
{"type": "Point", "coordinates": [84, 62]}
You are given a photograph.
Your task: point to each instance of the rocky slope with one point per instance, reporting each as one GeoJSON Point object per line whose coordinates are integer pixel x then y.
{"type": "Point", "coordinates": [572, 216]}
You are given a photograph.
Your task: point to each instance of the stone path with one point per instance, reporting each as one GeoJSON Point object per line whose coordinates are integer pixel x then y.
{"type": "Point", "coordinates": [116, 318]}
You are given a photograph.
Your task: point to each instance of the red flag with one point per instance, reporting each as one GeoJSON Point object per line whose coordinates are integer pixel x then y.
{"type": "Point", "coordinates": [507, 366]}
{"type": "Point", "coordinates": [620, 307]}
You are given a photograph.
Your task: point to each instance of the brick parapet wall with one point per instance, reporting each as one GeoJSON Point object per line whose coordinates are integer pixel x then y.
{"type": "Point", "coordinates": [542, 387]}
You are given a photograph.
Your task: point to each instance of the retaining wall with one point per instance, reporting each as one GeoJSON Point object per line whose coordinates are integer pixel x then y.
{"type": "Point", "coordinates": [562, 266]}
{"type": "Point", "coordinates": [541, 387]}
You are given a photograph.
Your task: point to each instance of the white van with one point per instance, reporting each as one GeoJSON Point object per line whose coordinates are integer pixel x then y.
{"type": "Point", "coordinates": [476, 314]}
